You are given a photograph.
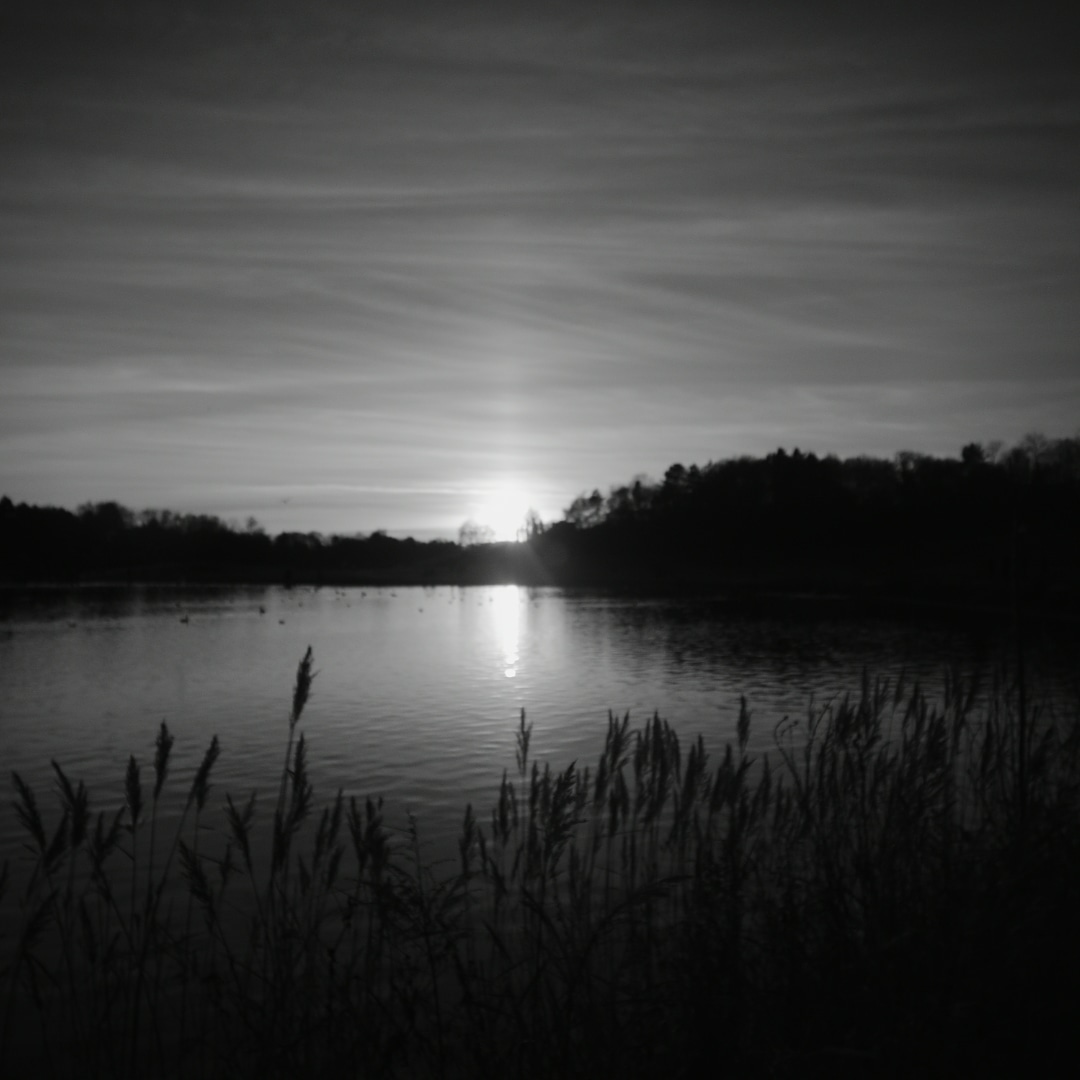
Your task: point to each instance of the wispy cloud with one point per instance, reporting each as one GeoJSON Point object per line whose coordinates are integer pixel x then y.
{"type": "Point", "coordinates": [400, 253]}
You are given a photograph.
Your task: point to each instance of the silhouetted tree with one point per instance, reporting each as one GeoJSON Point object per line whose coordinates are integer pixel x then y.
{"type": "Point", "coordinates": [533, 526]}
{"type": "Point", "coordinates": [915, 517]}
{"type": "Point", "coordinates": [586, 510]}
{"type": "Point", "coordinates": [472, 533]}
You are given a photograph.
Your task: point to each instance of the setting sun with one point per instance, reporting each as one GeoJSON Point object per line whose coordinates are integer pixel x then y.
{"type": "Point", "coordinates": [504, 513]}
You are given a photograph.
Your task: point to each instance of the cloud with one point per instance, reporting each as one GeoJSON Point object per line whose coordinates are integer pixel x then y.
{"type": "Point", "coordinates": [403, 253]}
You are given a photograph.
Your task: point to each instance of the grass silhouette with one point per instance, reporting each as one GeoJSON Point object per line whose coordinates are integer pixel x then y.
{"type": "Point", "coordinates": [889, 892]}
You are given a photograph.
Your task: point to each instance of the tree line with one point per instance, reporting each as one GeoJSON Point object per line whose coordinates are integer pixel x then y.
{"type": "Point", "coordinates": [107, 541]}
{"type": "Point", "coordinates": [989, 519]}
{"type": "Point", "coordinates": [976, 525]}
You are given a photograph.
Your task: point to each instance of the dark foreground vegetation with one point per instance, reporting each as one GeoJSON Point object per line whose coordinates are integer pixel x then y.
{"type": "Point", "coordinates": [892, 892]}
{"type": "Point", "coordinates": [977, 529]}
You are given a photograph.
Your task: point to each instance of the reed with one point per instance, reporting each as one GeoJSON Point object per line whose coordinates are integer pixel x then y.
{"type": "Point", "coordinates": [888, 892]}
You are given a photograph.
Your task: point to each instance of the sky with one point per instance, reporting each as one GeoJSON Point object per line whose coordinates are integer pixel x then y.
{"type": "Point", "coordinates": [344, 266]}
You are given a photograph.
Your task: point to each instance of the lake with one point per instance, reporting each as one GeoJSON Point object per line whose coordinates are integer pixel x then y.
{"type": "Point", "coordinates": [419, 690]}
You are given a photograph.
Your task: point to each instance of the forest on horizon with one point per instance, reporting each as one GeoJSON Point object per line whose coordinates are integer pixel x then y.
{"type": "Point", "coordinates": [973, 528]}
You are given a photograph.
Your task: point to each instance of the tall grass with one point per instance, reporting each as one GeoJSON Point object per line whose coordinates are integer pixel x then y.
{"type": "Point", "coordinates": [891, 891]}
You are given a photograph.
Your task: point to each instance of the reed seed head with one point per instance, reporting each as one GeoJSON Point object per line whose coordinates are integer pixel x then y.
{"type": "Point", "coordinates": [162, 749]}
{"type": "Point", "coordinates": [304, 678]}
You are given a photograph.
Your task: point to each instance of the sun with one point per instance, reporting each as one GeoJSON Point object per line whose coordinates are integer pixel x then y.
{"type": "Point", "coordinates": [504, 513]}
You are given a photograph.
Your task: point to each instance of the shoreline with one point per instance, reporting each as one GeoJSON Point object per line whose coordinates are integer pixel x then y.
{"type": "Point", "coordinates": [743, 595]}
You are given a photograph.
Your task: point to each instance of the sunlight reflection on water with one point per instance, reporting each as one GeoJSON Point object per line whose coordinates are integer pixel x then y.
{"type": "Point", "coordinates": [419, 690]}
{"type": "Point", "coordinates": [506, 608]}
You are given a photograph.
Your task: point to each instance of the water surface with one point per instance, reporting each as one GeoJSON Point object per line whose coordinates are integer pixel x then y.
{"type": "Point", "coordinates": [419, 690]}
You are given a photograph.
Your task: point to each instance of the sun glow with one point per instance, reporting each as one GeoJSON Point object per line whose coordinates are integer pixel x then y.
{"type": "Point", "coordinates": [504, 513]}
